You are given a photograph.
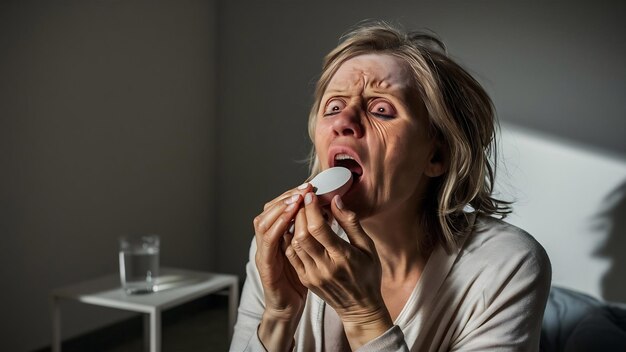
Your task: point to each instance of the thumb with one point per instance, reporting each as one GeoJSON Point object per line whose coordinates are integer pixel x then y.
{"type": "Point", "coordinates": [350, 224]}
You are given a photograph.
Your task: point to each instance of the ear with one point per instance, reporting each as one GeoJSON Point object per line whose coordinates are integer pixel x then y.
{"type": "Point", "coordinates": [437, 160]}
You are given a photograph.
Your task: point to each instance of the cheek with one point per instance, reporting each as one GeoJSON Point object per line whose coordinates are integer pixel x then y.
{"type": "Point", "coordinates": [320, 142]}
{"type": "Point", "coordinates": [383, 136]}
{"type": "Point", "coordinates": [395, 142]}
{"type": "Point", "coordinates": [405, 152]}
{"type": "Point", "coordinates": [320, 133]}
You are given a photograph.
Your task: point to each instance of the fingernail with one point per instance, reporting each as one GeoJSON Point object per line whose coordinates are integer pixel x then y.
{"type": "Point", "coordinates": [292, 228]}
{"type": "Point", "coordinates": [304, 185]}
{"type": "Point", "coordinates": [338, 202]}
{"type": "Point", "coordinates": [290, 207]}
{"type": "Point", "coordinates": [292, 199]}
{"type": "Point", "coordinates": [308, 198]}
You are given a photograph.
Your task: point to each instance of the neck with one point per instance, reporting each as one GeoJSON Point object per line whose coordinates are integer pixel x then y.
{"type": "Point", "coordinates": [398, 236]}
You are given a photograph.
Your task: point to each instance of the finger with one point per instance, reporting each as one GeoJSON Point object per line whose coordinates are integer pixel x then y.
{"type": "Point", "coordinates": [269, 257]}
{"type": "Point", "coordinates": [351, 225]}
{"type": "Point", "coordinates": [286, 242]}
{"type": "Point", "coordinates": [303, 243]}
{"type": "Point", "coordinates": [295, 261]}
{"type": "Point", "coordinates": [306, 241]}
{"type": "Point", "coordinates": [318, 227]}
{"type": "Point", "coordinates": [302, 189]}
{"type": "Point", "coordinates": [273, 223]}
{"type": "Point", "coordinates": [265, 220]}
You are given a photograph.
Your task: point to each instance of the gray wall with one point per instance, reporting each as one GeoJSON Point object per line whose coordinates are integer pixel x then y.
{"type": "Point", "coordinates": [106, 128]}
{"type": "Point", "coordinates": [555, 67]}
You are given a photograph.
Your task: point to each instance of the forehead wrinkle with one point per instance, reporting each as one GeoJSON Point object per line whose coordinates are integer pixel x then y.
{"type": "Point", "coordinates": [363, 82]}
{"type": "Point", "coordinates": [354, 80]}
{"type": "Point", "coordinates": [388, 83]}
{"type": "Point", "coordinates": [376, 77]}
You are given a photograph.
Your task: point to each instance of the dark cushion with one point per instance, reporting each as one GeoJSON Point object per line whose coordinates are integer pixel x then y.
{"type": "Point", "coordinates": [574, 321]}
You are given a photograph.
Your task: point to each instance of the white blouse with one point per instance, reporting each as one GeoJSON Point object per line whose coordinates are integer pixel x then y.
{"type": "Point", "coordinates": [489, 294]}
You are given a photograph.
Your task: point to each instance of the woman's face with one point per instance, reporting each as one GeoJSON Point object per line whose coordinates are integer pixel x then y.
{"type": "Point", "coordinates": [372, 121]}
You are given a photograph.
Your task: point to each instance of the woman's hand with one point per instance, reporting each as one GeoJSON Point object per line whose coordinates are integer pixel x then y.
{"type": "Point", "coordinates": [283, 292]}
{"type": "Point", "coordinates": [345, 275]}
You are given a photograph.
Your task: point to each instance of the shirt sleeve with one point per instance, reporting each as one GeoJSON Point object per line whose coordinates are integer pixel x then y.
{"type": "Point", "coordinates": [391, 340]}
{"type": "Point", "coordinates": [250, 312]}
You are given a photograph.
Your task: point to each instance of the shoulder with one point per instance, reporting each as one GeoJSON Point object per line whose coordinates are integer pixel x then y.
{"type": "Point", "coordinates": [497, 240]}
{"type": "Point", "coordinates": [499, 282]}
{"type": "Point", "coordinates": [495, 248]}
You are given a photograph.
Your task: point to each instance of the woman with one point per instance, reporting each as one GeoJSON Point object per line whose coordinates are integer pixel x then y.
{"type": "Point", "coordinates": [401, 263]}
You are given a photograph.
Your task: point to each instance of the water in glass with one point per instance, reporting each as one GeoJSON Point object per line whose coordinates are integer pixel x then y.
{"type": "Point", "coordinates": [139, 263]}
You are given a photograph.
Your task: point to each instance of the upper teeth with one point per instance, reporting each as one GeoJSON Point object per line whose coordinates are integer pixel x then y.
{"type": "Point", "coordinates": [343, 157]}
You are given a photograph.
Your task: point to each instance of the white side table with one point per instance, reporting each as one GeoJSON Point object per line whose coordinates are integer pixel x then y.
{"type": "Point", "coordinates": [175, 287]}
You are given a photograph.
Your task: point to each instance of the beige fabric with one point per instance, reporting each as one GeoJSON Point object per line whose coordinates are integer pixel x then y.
{"type": "Point", "coordinates": [334, 334]}
{"type": "Point", "coordinates": [487, 295]}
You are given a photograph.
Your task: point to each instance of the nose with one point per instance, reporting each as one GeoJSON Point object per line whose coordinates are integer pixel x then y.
{"type": "Point", "coordinates": [348, 123]}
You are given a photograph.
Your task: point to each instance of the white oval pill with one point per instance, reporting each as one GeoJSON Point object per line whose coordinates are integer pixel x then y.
{"type": "Point", "coordinates": [330, 182]}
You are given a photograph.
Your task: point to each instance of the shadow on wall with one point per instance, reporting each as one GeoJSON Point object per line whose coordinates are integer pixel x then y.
{"type": "Point", "coordinates": [613, 219]}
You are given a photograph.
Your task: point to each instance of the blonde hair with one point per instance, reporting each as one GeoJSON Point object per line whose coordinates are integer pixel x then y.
{"type": "Point", "coordinates": [460, 114]}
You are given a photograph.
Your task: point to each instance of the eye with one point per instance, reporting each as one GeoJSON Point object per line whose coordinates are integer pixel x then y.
{"type": "Point", "coordinates": [382, 109]}
{"type": "Point", "coordinates": [334, 106]}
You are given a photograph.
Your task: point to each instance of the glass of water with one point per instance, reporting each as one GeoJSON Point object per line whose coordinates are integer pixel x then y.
{"type": "Point", "coordinates": [139, 263]}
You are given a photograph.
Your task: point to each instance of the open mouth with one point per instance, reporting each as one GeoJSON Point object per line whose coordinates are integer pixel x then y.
{"type": "Point", "coordinates": [350, 163]}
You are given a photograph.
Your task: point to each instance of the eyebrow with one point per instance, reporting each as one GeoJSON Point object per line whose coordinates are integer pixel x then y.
{"type": "Point", "coordinates": [398, 90]}
{"type": "Point", "coordinates": [333, 91]}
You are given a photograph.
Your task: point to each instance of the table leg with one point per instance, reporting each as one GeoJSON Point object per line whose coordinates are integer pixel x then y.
{"type": "Point", "coordinates": [233, 300]}
{"type": "Point", "coordinates": [56, 324]}
{"type": "Point", "coordinates": [155, 330]}
{"type": "Point", "coordinates": [146, 332]}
